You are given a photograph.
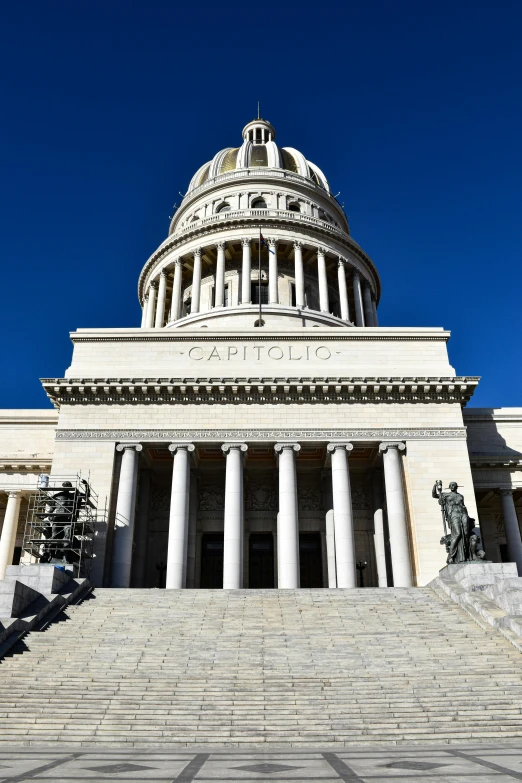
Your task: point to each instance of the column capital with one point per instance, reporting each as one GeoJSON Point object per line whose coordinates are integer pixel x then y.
{"type": "Point", "coordinates": [280, 446]}
{"type": "Point", "coordinates": [13, 493]}
{"type": "Point", "coordinates": [123, 446]}
{"type": "Point", "coordinates": [221, 245]}
{"type": "Point", "coordinates": [197, 251]}
{"type": "Point", "coordinates": [271, 241]}
{"type": "Point", "coordinates": [506, 491]}
{"type": "Point", "coordinates": [321, 251]}
{"type": "Point", "coordinates": [173, 447]}
{"type": "Point", "coordinates": [334, 446]}
{"type": "Point", "coordinates": [383, 447]}
{"type": "Point", "coordinates": [356, 272]}
{"type": "Point", "coordinates": [153, 284]}
{"type": "Point", "coordinates": [163, 272]}
{"type": "Point", "coordinates": [246, 241]}
{"type": "Point", "coordinates": [177, 263]}
{"type": "Point", "coordinates": [298, 244]}
{"type": "Point", "coordinates": [226, 447]}
{"type": "Point", "coordinates": [342, 261]}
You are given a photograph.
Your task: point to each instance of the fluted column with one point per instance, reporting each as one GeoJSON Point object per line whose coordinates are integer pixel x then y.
{"type": "Point", "coordinates": [151, 309]}
{"type": "Point", "coordinates": [374, 309]}
{"type": "Point", "coordinates": [125, 514]}
{"type": "Point", "coordinates": [175, 306]}
{"type": "Point", "coordinates": [357, 295]}
{"type": "Point", "coordinates": [324, 304]}
{"type": "Point", "coordinates": [367, 301]}
{"type": "Point", "coordinates": [144, 310]}
{"type": "Point", "coordinates": [512, 528]}
{"type": "Point", "coordinates": [287, 518]}
{"type": "Point", "coordinates": [343, 291]}
{"type": "Point", "coordinates": [234, 513]}
{"type": "Point", "coordinates": [246, 272]}
{"type": "Point", "coordinates": [9, 528]}
{"type": "Point", "coordinates": [160, 307]}
{"type": "Point", "coordinates": [273, 296]}
{"type": "Point", "coordinates": [299, 275]}
{"type": "Point", "coordinates": [343, 515]}
{"type": "Point", "coordinates": [196, 282]}
{"type": "Point", "coordinates": [219, 298]}
{"type": "Point", "coordinates": [378, 525]}
{"type": "Point", "coordinates": [397, 519]}
{"type": "Point", "coordinates": [179, 516]}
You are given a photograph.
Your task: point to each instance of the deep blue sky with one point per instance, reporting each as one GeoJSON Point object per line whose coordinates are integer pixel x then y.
{"type": "Point", "coordinates": [412, 109]}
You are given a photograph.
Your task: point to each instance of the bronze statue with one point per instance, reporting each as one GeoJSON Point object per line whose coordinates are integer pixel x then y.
{"type": "Point", "coordinates": [462, 542]}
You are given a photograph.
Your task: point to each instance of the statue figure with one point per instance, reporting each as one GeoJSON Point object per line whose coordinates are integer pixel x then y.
{"type": "Point", "coordinates": [462, 542]}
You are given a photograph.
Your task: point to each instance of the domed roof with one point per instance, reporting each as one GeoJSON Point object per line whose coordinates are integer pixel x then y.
{"type": "Point", "coordinates": [259, 149]}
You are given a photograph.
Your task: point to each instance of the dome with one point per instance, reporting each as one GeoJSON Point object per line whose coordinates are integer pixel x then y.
{"type": "Point", "coordinates": [258, 150]}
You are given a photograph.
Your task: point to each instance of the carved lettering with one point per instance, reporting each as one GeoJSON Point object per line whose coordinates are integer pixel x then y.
{"type": "Point", "coordinates": [229, 353]}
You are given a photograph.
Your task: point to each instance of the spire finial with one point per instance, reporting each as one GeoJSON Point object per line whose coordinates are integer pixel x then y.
{"type": "Point", "coordinates": [258, 114]}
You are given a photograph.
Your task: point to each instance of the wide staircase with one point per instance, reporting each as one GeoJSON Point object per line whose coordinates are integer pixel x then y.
{"type": "Point", "coordinates": [306, 667]}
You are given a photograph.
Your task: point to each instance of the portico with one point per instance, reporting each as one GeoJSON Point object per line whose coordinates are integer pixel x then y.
{"type": "Point", "coordinates": [237, 491]}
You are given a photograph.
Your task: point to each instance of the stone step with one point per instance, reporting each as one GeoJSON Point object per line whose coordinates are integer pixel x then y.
{"type": "Point", "coordinates": [233, 667]}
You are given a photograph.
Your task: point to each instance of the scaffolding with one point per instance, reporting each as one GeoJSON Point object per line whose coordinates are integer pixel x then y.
{"type": "Point", "coordinates": [61, 522]}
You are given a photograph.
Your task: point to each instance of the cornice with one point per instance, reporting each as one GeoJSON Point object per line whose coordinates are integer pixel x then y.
{"type": "Point", "coordinates": [496, 461]}
{"type": "Point", "coordinates": [257, 391]}
{"type": "Point", "coordinates": [317, 231]}
{"type": "Point", "coordinates": [250, 435]}
{"type": "Point", "coordinates": [366, 333]}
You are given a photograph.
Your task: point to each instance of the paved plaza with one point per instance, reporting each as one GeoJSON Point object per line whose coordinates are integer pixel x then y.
{"type": "Point", "coordinates": [441, 764]}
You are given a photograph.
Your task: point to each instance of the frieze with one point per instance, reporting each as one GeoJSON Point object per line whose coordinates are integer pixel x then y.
{"type": "Point", "coordinates": [151, 435]}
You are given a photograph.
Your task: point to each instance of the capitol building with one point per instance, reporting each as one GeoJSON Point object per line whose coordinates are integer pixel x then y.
{"type": "Point", "coordinates": [259, 428]}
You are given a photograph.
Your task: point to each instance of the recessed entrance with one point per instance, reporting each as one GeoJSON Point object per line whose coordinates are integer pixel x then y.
{"type": "Point", "coordinates": [212, 561]}
{"type": "Point", "coordinates": [261, 561]}
{"type": "Point", "coordinates": [311, 571]}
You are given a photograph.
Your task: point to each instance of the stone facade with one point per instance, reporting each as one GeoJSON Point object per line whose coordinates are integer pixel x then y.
{"type": "Point", "coordinates": [287, 455]}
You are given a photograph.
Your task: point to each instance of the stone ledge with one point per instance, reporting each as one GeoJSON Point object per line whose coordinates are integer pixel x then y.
{"type": "Point", "coordinates": [491, 593]}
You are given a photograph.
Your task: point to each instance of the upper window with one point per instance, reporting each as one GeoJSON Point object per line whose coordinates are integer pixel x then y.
{"type": "Point", "coordinates": [223, 207]}
{"type": "Point", "coordinates": [259, 203]}
{"type": "Point", "coordinates": [294, 207]}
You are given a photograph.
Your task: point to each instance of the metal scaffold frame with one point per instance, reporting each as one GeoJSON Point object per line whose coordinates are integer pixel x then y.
{"type": "Point", "coordinates": [61, 523]}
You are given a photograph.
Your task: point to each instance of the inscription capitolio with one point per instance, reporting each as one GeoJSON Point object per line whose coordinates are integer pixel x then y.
{"type": "Point", "coordinates": [257, 353]}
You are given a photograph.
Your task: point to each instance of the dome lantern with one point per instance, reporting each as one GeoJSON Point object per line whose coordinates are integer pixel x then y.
{"type": "Point", "coordinates": [259, 132]}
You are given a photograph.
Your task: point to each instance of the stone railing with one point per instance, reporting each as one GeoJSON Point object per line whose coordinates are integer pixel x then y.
{"type": "Point", "coordinates": [260, 215]}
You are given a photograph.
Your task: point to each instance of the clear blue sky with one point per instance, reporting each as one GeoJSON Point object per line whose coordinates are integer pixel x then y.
{"type": "Point", "coordinates": [412, 109]}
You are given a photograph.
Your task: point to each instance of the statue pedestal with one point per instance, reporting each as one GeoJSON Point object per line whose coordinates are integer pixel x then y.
{"type": "Point", "coordinates": [477, 574]}
{"type": "Point", "coordinates": [490, 592]}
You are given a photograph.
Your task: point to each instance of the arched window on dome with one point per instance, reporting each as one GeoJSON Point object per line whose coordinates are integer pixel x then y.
{"type": "Point", "coordinates": [259, 203]}
{"type": "Point", "coordinates": [224, 207]}
{"type": "Point", "coordinates": [294, 207]}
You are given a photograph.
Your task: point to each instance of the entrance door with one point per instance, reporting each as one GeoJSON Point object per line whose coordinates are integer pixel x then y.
{"type": "Point", "coordinates": [310, 560]}
{"type": "Point", "coordinates": [261, 560]}
{"type": "Point", "coordinates": [212, 560]}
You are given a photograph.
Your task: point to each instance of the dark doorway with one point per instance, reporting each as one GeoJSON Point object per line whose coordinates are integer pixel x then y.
{"type": "Point", "coordinates": [212, 560]}
{"type": "Point", "coordinates": [261, 561]}
{"type": "Point", "coordinates": [311, 569]}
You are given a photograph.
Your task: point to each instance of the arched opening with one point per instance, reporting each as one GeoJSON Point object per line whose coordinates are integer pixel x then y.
{"type": "Point", "coordinates": [294, 207]}
{"type": "Point", "coordinates": [223, 208]}
{"type": "Point", "coordinates": [259, 203]}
